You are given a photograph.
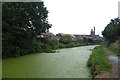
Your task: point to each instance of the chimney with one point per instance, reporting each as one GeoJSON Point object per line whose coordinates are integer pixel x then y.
{"type": "Point", "coordinates": [94, 30]}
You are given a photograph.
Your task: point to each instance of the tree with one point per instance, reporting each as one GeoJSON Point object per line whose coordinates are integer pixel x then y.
{"type": "Point", "coordinates": [21, 22]}
{"type": "Point", "coordinates": [26, 15]}
{"type": "Point", "coordinates": [111, 31]}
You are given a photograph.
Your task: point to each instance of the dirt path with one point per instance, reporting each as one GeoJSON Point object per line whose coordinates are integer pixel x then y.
{"type": "Point", "coordinates": [114, 60]}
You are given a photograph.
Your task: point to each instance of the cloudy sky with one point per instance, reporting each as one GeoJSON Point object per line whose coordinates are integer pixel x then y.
{"type": "Point", "coordinates": [79, 16]}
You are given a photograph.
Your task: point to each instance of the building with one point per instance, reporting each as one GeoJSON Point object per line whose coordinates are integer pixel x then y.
{"type": "Point", "coordinates": [92, 35]}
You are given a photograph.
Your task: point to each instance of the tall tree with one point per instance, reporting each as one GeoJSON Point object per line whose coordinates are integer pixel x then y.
{"type": "Point", "coordinates": [21, 22]}
{"type": "Point", "coordinates": [112, 30]}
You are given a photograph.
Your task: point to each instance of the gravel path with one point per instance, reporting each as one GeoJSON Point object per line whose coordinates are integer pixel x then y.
{"type": "Point", "coordinates": [115, 61]}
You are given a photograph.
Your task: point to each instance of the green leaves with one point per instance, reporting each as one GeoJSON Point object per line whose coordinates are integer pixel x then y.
{"type": "Point", "coordinates": [66, 39]}
{"type": "Point", "coordinates": [111, 31]}
{"type": "Point", "coordinates": [21, 22]}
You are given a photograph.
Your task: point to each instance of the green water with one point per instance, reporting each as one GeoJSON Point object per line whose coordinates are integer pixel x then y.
{"type": "Point", "coordinates": [68, 63]}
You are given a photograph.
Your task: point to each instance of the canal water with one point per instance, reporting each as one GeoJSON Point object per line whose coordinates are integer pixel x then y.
{"type": "Point", "coordinates": [67, 63]}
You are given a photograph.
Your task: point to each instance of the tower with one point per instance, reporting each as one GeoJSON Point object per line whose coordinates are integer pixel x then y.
{"type": "Point", "coordinates": [93, 34]}
{"type": "Point", "coordinates": [94, 30]}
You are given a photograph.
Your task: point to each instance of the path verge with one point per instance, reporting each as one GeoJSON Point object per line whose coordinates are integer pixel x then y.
{"type": "Point", "coordinates": [99, 63]}
{"type": "Point", "coordinates": [114, 61]}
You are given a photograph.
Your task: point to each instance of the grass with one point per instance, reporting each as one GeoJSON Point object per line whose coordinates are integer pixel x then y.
{"type": "Point", "coordinates": [115, 47]}
{"type": "Point", "coordinates": [98, 61]}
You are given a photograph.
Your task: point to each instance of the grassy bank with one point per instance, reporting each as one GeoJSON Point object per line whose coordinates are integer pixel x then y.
{"type": "Point", "coordinates": [98, 61]}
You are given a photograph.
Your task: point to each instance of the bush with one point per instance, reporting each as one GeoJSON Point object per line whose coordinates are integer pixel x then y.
{"type": "Point", "coordinates": [61, 45]}
{"type": "Point", "coordinates": [65, 39]}
{"type": "Point", "coordinates": [115, 47]}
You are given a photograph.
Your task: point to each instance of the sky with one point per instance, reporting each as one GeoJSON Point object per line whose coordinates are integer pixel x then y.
{"type": "Point", "coordinates": [80, 16]}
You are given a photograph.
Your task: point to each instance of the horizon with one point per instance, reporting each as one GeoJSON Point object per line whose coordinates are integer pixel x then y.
{"type": "Point", "coordinates": [77, 33]}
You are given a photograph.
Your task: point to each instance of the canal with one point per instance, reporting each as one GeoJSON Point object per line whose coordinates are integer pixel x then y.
{"type": "Point", "coordinates": [65, 63]}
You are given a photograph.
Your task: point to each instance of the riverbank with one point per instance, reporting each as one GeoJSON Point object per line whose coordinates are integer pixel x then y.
{"type": "Point", "coordinates": [98, 62]}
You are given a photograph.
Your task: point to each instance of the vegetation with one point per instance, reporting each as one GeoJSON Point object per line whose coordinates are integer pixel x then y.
{"type": "Point", "coordinates": [111, 31]}
{"type": "Point", "coordinates": [21, 23]}
{"type": "Point", "coordinates": [68, 41]}
{"type": "Point", "coordinates": [98, 61]}
{"type": "Point", "coordinates": [67, 38]}
{"type": "Point", "coordinates": [115, 47]}
{"type": "Point", "coordinates": [112, 35]}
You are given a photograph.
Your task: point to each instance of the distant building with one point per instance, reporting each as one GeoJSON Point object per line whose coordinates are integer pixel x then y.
{"type": "Point", "coordinates": [91, 36]}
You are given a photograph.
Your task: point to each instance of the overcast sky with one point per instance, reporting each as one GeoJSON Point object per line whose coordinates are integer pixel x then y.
{"type": "Point", "coordinates": [80, 16]}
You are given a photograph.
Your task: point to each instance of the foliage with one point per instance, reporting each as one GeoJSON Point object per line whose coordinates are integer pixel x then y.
{"type": "Point", "coordinates": [115, 47]}
{"type": "Point", "coordinates": [112, 35]}
{"type": "Point", "coordinates": [111, 31]}
{"type": "Point", "coordinates": [98, 61]}
{"type": "Point", "coordinates": [21, 22]}
{"type": "Point", "coordinates": [65, 39]}
{"type": "Point", "coordinates": [61, 45]}
{"type": "Point", "coordinates": [53, 42]}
